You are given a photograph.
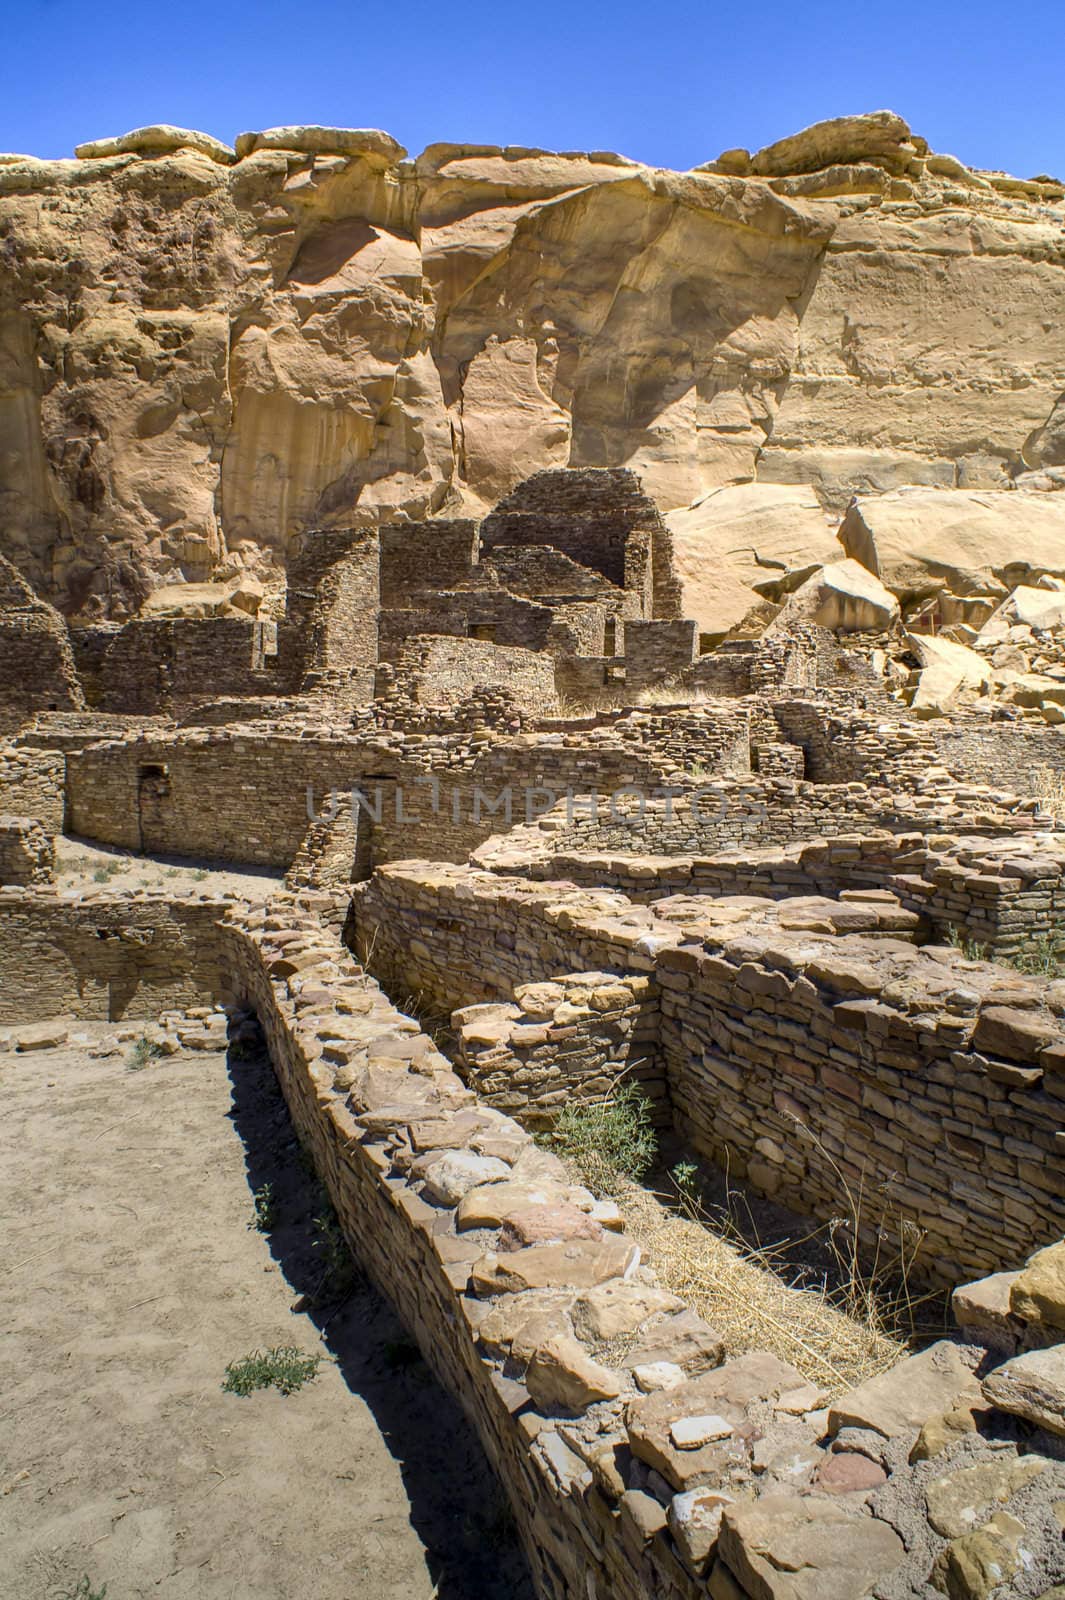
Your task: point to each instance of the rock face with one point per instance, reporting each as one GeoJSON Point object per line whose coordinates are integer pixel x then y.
{"type": "Point", "coordinates": [205, 351]}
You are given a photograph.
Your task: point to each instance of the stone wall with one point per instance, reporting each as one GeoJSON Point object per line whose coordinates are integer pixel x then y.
{"type": "Point", "coordinates": [27, 852]}
{"type": "Point", "coordinates": [804, 1055]}
{"type": "Point", "coordinates": [435, 555]}
{"type": "Point", "coordinates": [241, 795]}
{"type": "Point", "coordinates": [657, 652]}
{"type": "Point", "coordinates": [566, 1041]}
{"type": "Point", "coordinates": [32, 784]}
{"type": "Point", "coordinates": [538, 572]}
{"type": "Point", "coordinates": [106, 956]}
{"type": "Point", "coordinates": [37, 670]}
{"type": "Point", "coordinates": [165, 666]}
{"type": "Point", "coordinates": [917, 1096]}
{"type": "Point", "coordinates": [1008, 754]}
{"type": "Point", "coordinates": [331, 609]}
{"type": "Point", "coordinates": [448, 672]}
{"type": "Point", "coordinates": [484, 613]}
{"type": "Point", "coordinates": [1001, 894]}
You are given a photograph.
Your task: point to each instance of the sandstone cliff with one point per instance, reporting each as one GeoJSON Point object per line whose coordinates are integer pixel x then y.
{"type": "Point", "coordinates": [204, 351]}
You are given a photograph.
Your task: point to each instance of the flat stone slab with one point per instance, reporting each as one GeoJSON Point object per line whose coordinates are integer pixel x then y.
{"type": "Point", "coordinates": [902, 1400]}
{"type": "Point", "coordinates": [40, 1036]}
{"type": "Point", "coordinates": [706, 1414]}
{"type": "Point", "coordinates": [784, 1547]}
{"type": "Point", "coordinates": [576, 1264]}
{"type": "Point", "coordinates": [1031, 1386]}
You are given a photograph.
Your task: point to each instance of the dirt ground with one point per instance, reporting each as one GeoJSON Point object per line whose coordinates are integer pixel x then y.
{"type": "Point", "coordinates": [131, 1278]}
{"type": "Point", "coordinates": [81, 865]}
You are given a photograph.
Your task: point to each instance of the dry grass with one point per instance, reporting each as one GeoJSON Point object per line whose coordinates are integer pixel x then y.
{"type": "Point", "coordinates": [737, 1291]}
{"type": "Point", "coordinates": [672, 694]}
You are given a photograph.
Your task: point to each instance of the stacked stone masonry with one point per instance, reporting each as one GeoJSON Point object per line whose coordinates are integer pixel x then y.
{"type": "Point", "coordinates": [804, 1043]}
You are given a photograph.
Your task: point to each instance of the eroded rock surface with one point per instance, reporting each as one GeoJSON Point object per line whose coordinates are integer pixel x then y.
{"type": "Point", "coordinates": [204, 352]}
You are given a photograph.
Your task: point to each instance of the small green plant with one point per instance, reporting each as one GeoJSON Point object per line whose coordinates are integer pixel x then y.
{"type": "Point", "coordinates": [685, 1175]}
{"type": "Point", "coordinates": [608, 1141]}
{"type": "Point", "coordinates": [200, 874]}
{"type": "Point", "coordinates": [283, 1368]}
{"type": "Point", "coordinates": [333, 1252]}
{"type": "Point", "coordinates": [1041, 958]}
{"type": "Point", "coordinates": [144, 1050]}
{"type": "Point", "coordinates": [970, 948]}
{"type": "Point", "coordinates": [101, 875]}
{"type": "Point", "coordinates": [265, 1202]}
{"type": "Point", "coordinates": [83, 1590]}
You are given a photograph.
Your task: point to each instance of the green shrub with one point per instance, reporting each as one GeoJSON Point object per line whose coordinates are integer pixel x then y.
{"type": "Point", "coordinates": [265, 1202]}
{"type": "Point", "coordinates": [144, 1050]}
{"type": "Point", "coordinates": [608, 1141]}
{"type": "Point", "coordinates": [83, 1590]}
{"type": "Point", "coordinates": [283, 1368]}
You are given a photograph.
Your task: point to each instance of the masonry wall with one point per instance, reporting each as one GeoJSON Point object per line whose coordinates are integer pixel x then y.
{"type": "Point", "coordinates": [434, 555]}
{"type": "Point", "coordinates": [332, 604]}
{"type": "Point", "coordinates": [36, 667]}
{"type": "Point", "coordinates": [242, 796]}
{"type": "Point", "coordinates": [31, 785]}
{"type": "Point", "coordinates": [1002, 894]}
{"type": "Point", "coordinates": [27, 852]}
{"type": "Point", "coordinates": [810, 1074]}
{"type": "Point", "coordinates": [514, 621]}
{"type": "Point", "coordinates": [816, 1067]}
{"type": "Point", "coordinates": [165, 665]}
{"type": "Point", "coordinates": [568, 1041]}
{"type": "Point", "coordinates": [579, 1532]}
{"type": "Point", "coordinates": [449, 671]}
{"type": "Point", "coordinates": [105, 956]}
{"type": "Point", "coordinates": [37, 670]}
{"type": "Point", "coordinates": [1010, 755]}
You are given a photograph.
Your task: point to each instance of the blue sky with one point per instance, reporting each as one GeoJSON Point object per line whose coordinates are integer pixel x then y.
{"type": "Point", "coordinates": [671, 83]}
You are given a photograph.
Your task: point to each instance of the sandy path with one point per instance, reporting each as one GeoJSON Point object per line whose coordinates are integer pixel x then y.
{"type": "Point", "coordinates": [130, 1278]}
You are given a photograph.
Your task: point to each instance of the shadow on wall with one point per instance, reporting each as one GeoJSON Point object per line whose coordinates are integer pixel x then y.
{"type": "Point", "coordinates": [457, 1506]}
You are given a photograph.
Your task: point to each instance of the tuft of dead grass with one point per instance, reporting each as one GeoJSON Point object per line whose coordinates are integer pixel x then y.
{"type": "Point", "coordinates": [741, 1296]}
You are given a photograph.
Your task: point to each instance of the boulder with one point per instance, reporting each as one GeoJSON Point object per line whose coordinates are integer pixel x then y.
{"type": "Point", "coordinates": [1037, 1292]}
{"type": "Point", "coordinates": [876, 135]}
{"type": "Point", "coordinates": [744, 543]}
{"type": "Point", "coordinates": [851, 599]}
{"type": "Point", "coordinates": [919, 541]}
{"type": "Point", "coordinates": [936, 691]}
{"type": "Point", "coordinates": [368, 143]}
{"type": "Point", "coordinates": [931, 650]}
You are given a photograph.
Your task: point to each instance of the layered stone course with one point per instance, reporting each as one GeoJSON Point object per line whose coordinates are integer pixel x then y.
{"type": "Point", "coordinates": [107, 956]}
{"type": "Point", "coordinates": [27, 852]}
{"type": "Point", "coordinates": [576, 1039]}
{"type": "Point", "coordinates": [32, 784]}
{"type": "Point", "coordinates": [802, 1053]}
{"type": "Point", "coordinates": [1002, 894]}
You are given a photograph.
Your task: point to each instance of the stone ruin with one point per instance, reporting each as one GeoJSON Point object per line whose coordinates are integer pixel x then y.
{"type": "Point", "coordinates": [753, 802]}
